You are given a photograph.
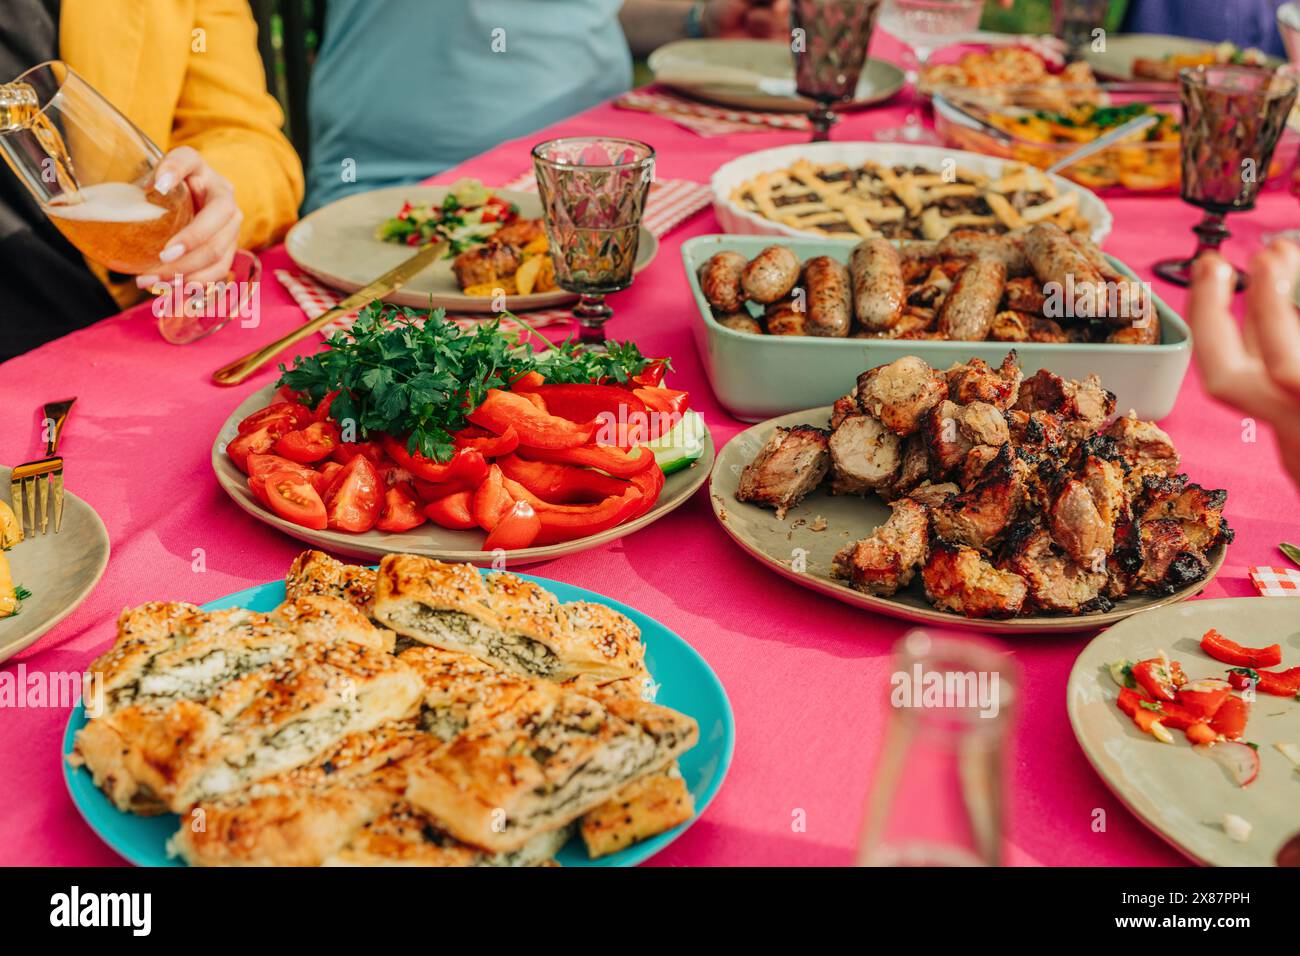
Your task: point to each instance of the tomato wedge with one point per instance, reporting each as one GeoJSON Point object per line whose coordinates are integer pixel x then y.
{"type": "Point", "coordinates": [306, 445]}
{"type": "Point", "coordinates": [348, 450]}
{"type": "Point", "coordinates": [355, 497]}
{"type": "Point", "coordinates": [453, 511]}
{"type": "Point", "coordinates": [491, 500]}
{"type": "Point", "coordinates": [517, 528]}
{"type": "Point", "coordinates": [264, 463]}
{"type": "Point", "coordinates": [467, 465]}
{"type": "Point", "coordinates": [257, 442]}
{"type": "Point", "coordinates": [293, 498]}
{"type": "Point", "coordinates": [401, 512]}
{"type": "Point", "coordinates": [487, 444]}
{"type": "Point", "coordinates": [611, 460]}
{"type": "Point", "coordinates": [1230, 652]}
{"type": "Point", "coordinates": [322, 412]}
{"type": "Point", "coordinates": [296, 415]}
{"type": "Point", "coordinates": [1160, 682]}
{"type": "Point", "coordinates": [560, 484]}
{"type": "Point", "coordinates": [536, 428]}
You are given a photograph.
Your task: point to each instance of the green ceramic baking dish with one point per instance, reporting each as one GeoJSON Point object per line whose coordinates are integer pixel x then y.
{"type": "Point", "coordinates": [757, 377]}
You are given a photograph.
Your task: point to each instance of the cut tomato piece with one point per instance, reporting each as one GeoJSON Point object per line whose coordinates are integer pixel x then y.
{"type": "Point", "coordinates": [1230, 719]}
{"type": "Point", "coordinates": [537, 429]}
{"type": "Point", "coordinates": [611, 460]}
{"type": "Point", "coordinates": [293, 498]}
{"type": "Point", "coordinates": [355, 497]}
{"type": "Point", "coordinates": [1230, 652]}
{"type": "Point", "coordinates": [401, 511]}
{"type": "Point", "coordinates": [453, 511]}
{"type": "Point", "coordinates": [307, 445]}
{"type": "Point", "coordinates": [1204, 704]}
{"type": "Point", "coordinates": [486, 443]}
{"type": "Point", "coordinates": [517, 528]}
{"type": "Point", "coordinates": [1156, 679]}
{"type": "Point", "coordinates": [322, 412]}
{"type": "Point", "coordinates": [561, 484]}
{"type": "Point", "coordinates": [296, 415]}
{"type": "Point", "coordinates": [348, 450]}
{"type": "Point", "coordinates": [265, 463]}
{"type": "Point", "coordinates": [257, 442]}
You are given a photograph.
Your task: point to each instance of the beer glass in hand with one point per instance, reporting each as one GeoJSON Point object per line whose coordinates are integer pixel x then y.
{"type": "Point", "coordinates": [90, 169]}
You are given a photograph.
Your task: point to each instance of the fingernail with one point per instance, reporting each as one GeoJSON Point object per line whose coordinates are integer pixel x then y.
{"type": "Point", "coordinates": [1283, 287]}
{"type": "Point", "coordinates": [1222, 270]}
{"type": "Point", "coordinates": [172, 252]}
{"type": "Point", "coordinates": [146, 282]}
{"type": "Point", "coordinates": [163, 183]}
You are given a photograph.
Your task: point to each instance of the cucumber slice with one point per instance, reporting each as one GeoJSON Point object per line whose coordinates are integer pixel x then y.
{"type": "Point", "coordinates": [681, 446]}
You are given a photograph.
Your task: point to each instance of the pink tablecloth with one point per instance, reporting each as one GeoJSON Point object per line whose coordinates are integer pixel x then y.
{"type": "Point", "coordinates": [806, 675]}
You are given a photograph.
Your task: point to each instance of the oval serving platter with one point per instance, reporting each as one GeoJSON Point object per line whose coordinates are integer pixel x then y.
{"type": "Point", "coordinates": [1178, 793]}
{"type": "Point", "coordinates": [336, 244]}
{"type": "Point", "coordinates": [685, 683]}
{"type": "Point", "coordinates": [782, 544]}
{"type": "Point", "coordinates": [429, 539]}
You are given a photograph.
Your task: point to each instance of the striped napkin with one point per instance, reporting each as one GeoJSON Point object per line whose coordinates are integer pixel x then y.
{"type": "Point", "coordinates": [1276, 582]}
{"type": "Point", "coordinates": [707, 120]}
{"type": "Point", "coordinates": [671, 202]}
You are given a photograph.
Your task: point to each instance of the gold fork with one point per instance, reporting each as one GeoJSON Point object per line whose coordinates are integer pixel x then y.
{"type": "Point", "coordinates": [26, 479]}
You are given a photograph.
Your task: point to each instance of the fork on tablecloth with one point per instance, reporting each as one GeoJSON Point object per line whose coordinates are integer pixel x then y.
{"type": "Point", "coordinates": [39, 481]}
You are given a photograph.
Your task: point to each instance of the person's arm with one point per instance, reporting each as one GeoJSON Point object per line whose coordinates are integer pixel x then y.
{"type": "Point", "coordinates": [227, 116]}
{"type": "Point", "coordinates": [649, 24]}
{"type": "Point", "coordinates": [1255, 369]}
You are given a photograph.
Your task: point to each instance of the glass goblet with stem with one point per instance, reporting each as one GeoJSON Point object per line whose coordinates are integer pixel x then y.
{"type": "Point", "coordinates": [1232, 118]}
{"type": "Point", "coordinates": [829, 39]}
{"type": "Point", "coordinates": [593, 191]}
{"type": "Point", "coordinates": [924, 26]}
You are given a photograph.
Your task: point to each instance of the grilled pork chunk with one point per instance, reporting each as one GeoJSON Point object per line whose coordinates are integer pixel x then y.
{"type": "Point", "coordinates": [1056, 582]}
{"type": "Point", "coordinates": [915, 468]}
{"type": "Point", "coordinates": [887, 561]}
{"type": "Point", "coordinates": [792, 463]}
{"type": "Point", "coordinates": [488, 262]}
{"type": "Point", "coordinates": [959, 579]}
{"type": "Point", "coordinates": [1145, 446]}
{"type": "Point", "coordinates": [1083, 406]}
{"type": "Point", "coordinates": [901, 393]}
{"type": "Point", "coordinates": [976, 381]}
{"type": "Point", "coordinates": [978, 516]}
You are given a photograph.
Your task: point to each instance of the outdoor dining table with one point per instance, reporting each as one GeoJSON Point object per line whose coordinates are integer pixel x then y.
{"type": "Point", "coordinates": [807, 676]}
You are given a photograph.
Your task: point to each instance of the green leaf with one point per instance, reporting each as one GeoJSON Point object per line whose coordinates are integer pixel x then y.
{"type": "Point", "coordinates": [1291, 551]}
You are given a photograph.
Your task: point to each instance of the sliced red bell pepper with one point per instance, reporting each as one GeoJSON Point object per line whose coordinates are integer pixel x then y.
{"type": "Point", "coordinates": [401, 511]}
{"type": "Point", "coordinates": [537, 429]}
{"type": "Point", "coordinates": [467, 465]}
{"type": "Point", "coordinates": [611, 460]}
{"type": "Point", "coordinates": [1156, 680]}
{"type": "Point", "coordinates": [1278, 683]}
{"type": "Point", "coordinates": [1230, 719]}
{"type": "Point", "coordinates": [1230, 652]}
{"type": "Point", "coordinates": [1203, 704]}
{"type": "Point", "coordinates": [624, 418]}
{"type": "Point", "coordinates": [528, 382]}
{"type": "Point", "coordinates": [488, 444]}
{"type": "Point", "coordinates": [650, 482]}
{"type": "Point", "coordinates": [518, 528]}
{"type": "Point", "coordinates": [561, 484]}
{"type": "Point", "coordinates": [566, 522]}
{"type": "Point", "coordinates": [650, 376]}
{"type": "Point", "coordinates": [491, 500]}
{"type": "Point", "coordinates": [453, 511]}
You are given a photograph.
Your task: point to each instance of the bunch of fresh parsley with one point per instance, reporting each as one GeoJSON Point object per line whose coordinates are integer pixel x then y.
{"type": "Point", "coordinates": [402, 373]}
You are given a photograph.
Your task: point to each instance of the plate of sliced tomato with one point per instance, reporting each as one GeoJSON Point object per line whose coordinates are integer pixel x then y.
{"type": "Point", "coordinates": [539, 471]}
{"type": "Point", "coordinates": [1190, 714]}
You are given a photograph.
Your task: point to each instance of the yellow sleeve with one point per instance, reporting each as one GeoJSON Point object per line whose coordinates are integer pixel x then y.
{"type": "Point", "coordinates": [225, 113]}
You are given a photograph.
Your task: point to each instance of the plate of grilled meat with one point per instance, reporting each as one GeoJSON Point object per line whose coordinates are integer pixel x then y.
{"type": "Point", "coordinates": [422, 714]}
{"type": "Point", "coordinates": [349, 242]}
{"type": "Point", "coordinates": [975, 496]}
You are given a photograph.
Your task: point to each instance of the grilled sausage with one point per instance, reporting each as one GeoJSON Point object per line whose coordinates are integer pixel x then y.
{"type": "Point", "coordinates": [720, 281]}
{"type": "Point", "coordinates": [969, 244]}
{"type": "Point", "coordinates": [877, 274]}
{"type": "Point", "coordinates": [740, 322]}
{"type": "Point", "coordinates": [770, 275]}
{"type": "Point", "coordinates": [968, 311]}
{"type": "Point", "coordinates": [786, 317]}
{"type": "Point", "coordinates": [1131, 301]}
{"type": "Point", "coordinates": [1055, 259]}
{"type": "Point", "coordinates": [826, 283]}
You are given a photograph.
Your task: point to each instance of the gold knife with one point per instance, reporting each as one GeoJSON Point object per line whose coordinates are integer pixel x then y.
{"type": "Point", "coordinates": [240, 369]}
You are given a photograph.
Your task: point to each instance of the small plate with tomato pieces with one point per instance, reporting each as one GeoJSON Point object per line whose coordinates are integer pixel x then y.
{"type": "Point", "coordinates": [1190, 714]}
{"type": "Point", "coordinates": [539, 471]}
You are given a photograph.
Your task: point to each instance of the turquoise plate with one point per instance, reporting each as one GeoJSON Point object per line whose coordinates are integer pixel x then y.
{"type": "Point", "coordinates": [686, 683]}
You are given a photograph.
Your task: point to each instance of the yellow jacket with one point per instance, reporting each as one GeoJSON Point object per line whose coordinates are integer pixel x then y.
{"type": "Point", "coordinates": [188, 73]}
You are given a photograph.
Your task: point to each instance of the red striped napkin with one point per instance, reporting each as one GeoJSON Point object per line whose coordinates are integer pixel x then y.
{"type": "Point", "coordinates": [671, 202]}
{"type": "Point", "coordinates": [1276, 582]}
{"type": "Point", "coordinates": [704, 119]}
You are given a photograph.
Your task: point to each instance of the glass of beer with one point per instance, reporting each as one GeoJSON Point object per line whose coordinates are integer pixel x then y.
{"type": "Point", "coordinates": [90, 169]}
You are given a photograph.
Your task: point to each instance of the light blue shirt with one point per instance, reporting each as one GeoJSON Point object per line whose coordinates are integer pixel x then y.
{"type": "Point", "coordinates": [403, 89]}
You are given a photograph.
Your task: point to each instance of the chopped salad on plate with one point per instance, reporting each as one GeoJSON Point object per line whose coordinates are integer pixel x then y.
{"type": "Point", "coordinates": [469, 215]}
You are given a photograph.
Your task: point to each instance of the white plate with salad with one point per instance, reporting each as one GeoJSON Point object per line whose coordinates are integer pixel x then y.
{"type": "Point", "coordinates": [1190, 715]}
{"type": "Point", "coordinates": [348, 243]}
